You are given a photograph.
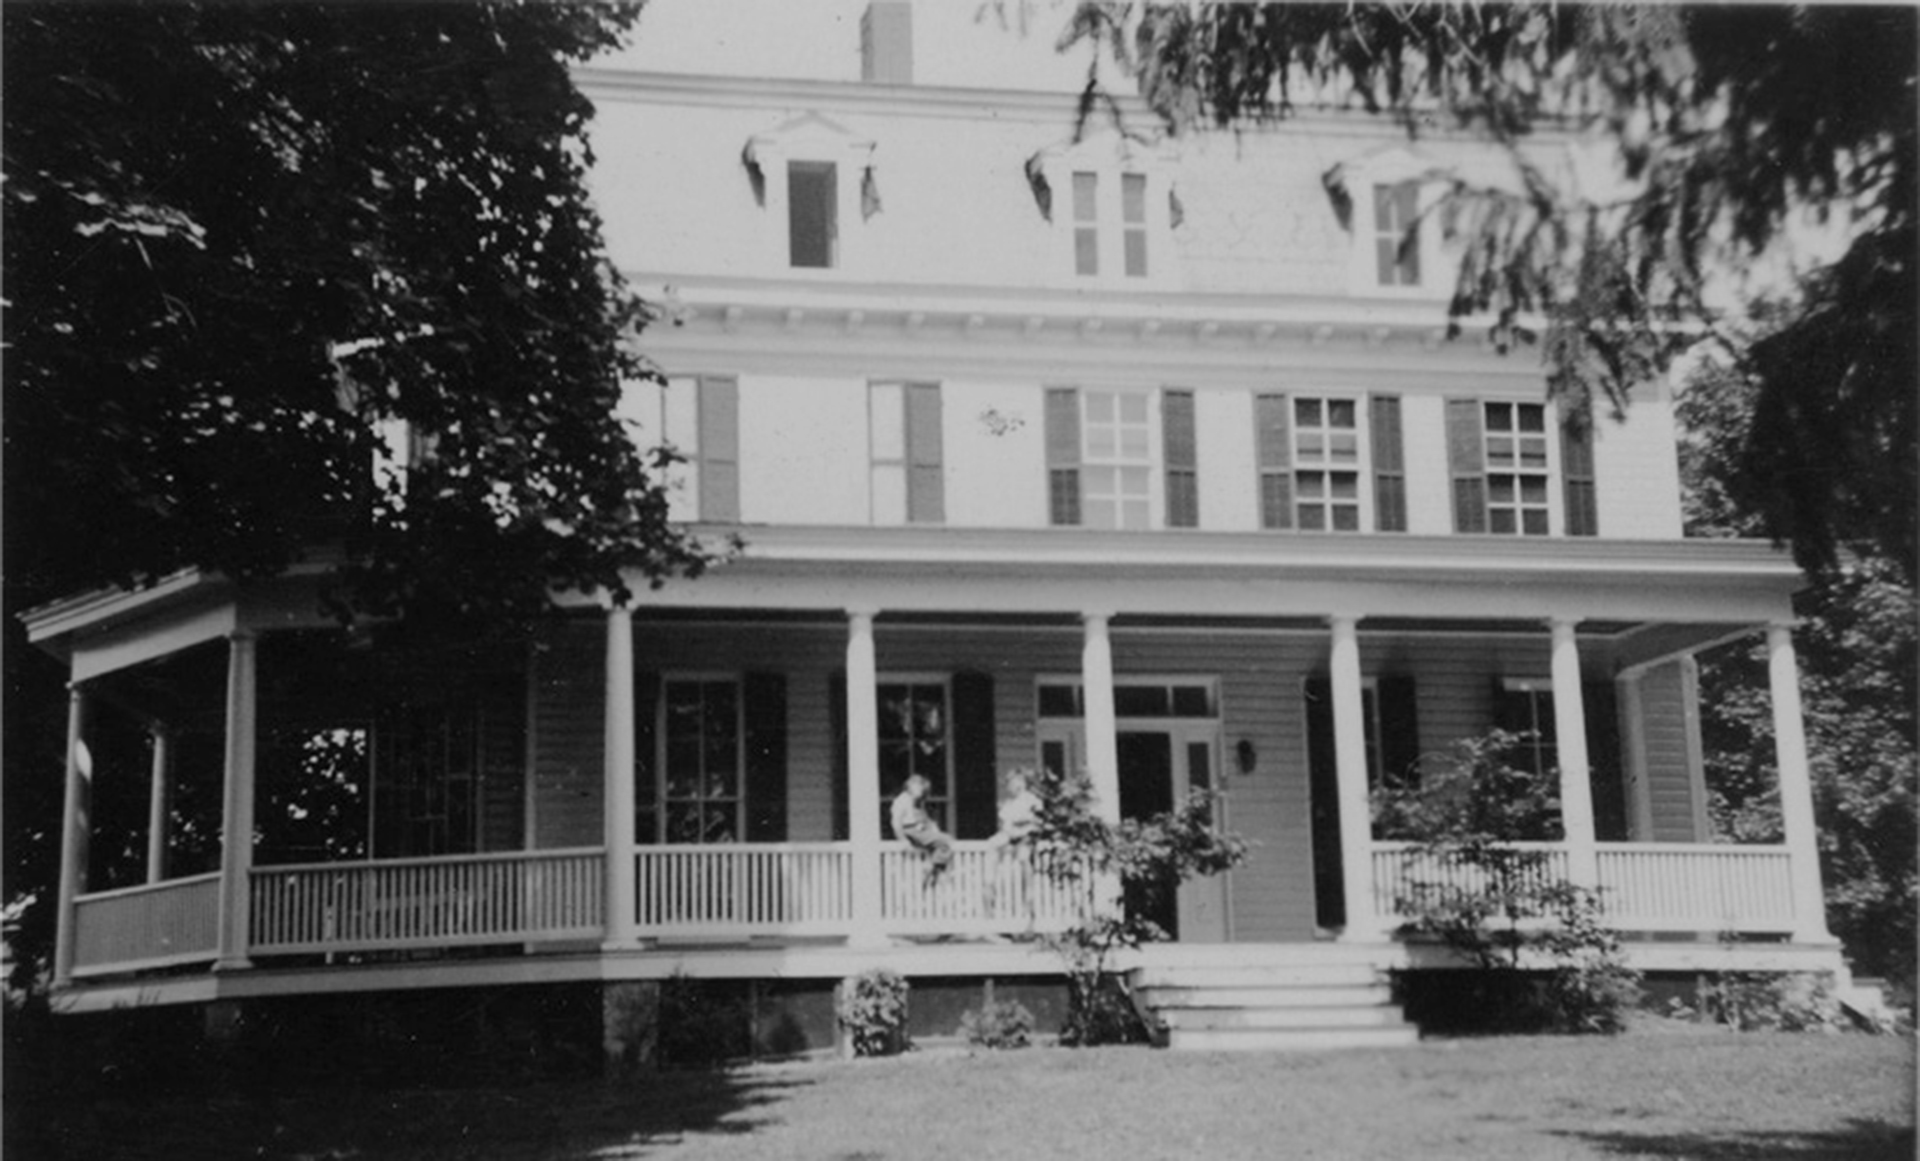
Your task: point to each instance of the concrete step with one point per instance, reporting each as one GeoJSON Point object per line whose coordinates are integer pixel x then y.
{"type": "Point", "coordinates": [1226, 1019]}
{"type": "Point", "coordinates": [1258, 976]}
{"type": "Point", "coordinates": [1275, 997]}
{"type": "Point", "coordinates": [1290, 1039]}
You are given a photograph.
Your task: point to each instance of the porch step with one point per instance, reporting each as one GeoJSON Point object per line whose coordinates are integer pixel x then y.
{"type": "Point", "coordinates": [1270, 1003]}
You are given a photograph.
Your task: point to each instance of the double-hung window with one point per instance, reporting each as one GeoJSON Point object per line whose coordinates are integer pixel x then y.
{"type": "Point", "coordinates": [1497, 454]}
{"type": "Point", "coordinates": [1326, 473]}
{"type": "Point", "coordinates": [1315, 453]}
{"type": "Point", "coordinates": [904, 443]}
{"type": "Point", "coordinates": [1094, 220]}
{"type": "Point", "coordinates": [813, 227]}
{"type": "Point", "coordinates": [698, 417]}
{"type": "Point", "coordinates": [1100, 457]}
{"type": "Point", "coordinates": [1396, 233]}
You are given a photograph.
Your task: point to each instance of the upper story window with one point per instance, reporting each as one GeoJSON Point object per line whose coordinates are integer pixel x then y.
{"type": "Point", "coordinates": [698, 416]}
{"type": "Point", "coordinates": [1396, 233]}
{"type": "Point", "coordinates": [904, 445]}
{"type": "Point", "coordinates": [816, 181]}
{"type": "Point", "coordinates": [1503, 460]}
{"type": "Point", "coordinates": [1316, 455]}
{"type": "Point", "coordinates": [1105, 235]}
{"type": "Point", "coordinates": [1109, 200]}
{"type": "Point", "coordinates": [812, 213]}
{"type": "Point", "coordinates": [1122, 458]}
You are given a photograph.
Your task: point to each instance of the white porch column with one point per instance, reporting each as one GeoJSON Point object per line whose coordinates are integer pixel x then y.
{"type": "Point", "coordinates": [76, 826]}
{"type": "Point", "coordinates": [159, 802]}
{"type": "Point", "coordinates": [622, 928]}
{"type": "Point", "coordinates": [1576, 776]}
{"type": "Point", "coordinates": [236, 816]}
{"type": "Point", "coordinates": [863, 779]}
{"type": "Point", "coordinates": [1350, 780]}
{"type": "Point", "coordinates": [1103, 745]}
{"type": "Point", "coordinates": [1796, 788]}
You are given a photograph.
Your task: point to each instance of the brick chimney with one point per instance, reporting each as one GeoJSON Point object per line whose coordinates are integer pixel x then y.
{"type": "Point", "coordinates": [886, 43]}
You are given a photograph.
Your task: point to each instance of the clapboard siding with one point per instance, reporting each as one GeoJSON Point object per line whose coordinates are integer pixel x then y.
{"type": "Point", "coordinates": [569, 735]}
{"type": "Point", "coordinates": [1670, 734]}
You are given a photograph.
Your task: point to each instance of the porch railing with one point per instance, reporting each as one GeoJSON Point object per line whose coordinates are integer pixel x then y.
{"type": "Point", "coordinates": [508, 897]}
{"type": "Point", "coordinates": [1699, 887]}
{"type": "Point", "coordinates": [150, 926]}
{"type": "Point", "coordinates": [744, 889]}
{"type": "Point", "coordinates": [987, 891]}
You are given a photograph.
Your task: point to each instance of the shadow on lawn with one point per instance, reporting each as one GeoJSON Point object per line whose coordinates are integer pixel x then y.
{"type": "Point", "coordinates": [1861, 1140]}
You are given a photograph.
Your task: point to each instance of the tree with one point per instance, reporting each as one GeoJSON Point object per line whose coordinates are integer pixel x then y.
{"type": "Point", "coordinates": [244, 243]}
{"type": "Point", "coordinates": [1730, 124]}
{"type": "Point", "coordinates": [1860, 664]}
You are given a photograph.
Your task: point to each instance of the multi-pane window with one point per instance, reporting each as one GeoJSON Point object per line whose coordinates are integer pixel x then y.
{"type": "Point", "coordinates": [914, 728]}
{"type": "Point", "coordinates": [812, 213]}
{"type": "Point", "coordinates": [1117, 463]}
{"type": "Point", "coordinates": [1086, 223]}
{"type": "Point", "coordinates": [1132, 698]}
{"type": "Point", "coordinates": [1326, 436]}
{"type": "Point", "coordinates": [698, 417]}
{"type": "Point", "coordinates": [1396, 234]}
{"type": "Point", "coordinates": [1526, 708]}
{"type": "Point", "coordinates": [701, 760]}
{"type": "Point", "coordinates": [1516, 463]}
{"type": "Point", "coordinates": [904, 444]}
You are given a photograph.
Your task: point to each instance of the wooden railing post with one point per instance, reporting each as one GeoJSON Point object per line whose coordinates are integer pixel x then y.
{"type": "Point", "coordinates": [76, 830]}
{"type": "Point", "coordinates": [236, 819]}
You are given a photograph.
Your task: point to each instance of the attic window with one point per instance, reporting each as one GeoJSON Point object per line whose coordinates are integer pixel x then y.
{"type": "Point", "coordinates": [1396, 233]}
{"type": "Point", "coordinates": [812, 225]}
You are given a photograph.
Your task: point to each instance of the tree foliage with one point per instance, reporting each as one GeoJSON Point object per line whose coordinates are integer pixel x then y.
{"type": "Point", "coordinates": [1860, 680]}
{"type": "Point", "coordinates": [241, 237]}
{"type": "Point", "coordinates": [1730, 126]}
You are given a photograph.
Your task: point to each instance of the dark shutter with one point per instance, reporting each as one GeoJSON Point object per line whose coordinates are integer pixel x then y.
{"type": "Point", "coordinates": [975, 794]}
{"type": "Point", "coordinates": [837, 717]}
{"type": "Point", "coordinates": [765, 697]}
{"type": "Point", "coordinates": [646, 757]}
{"type": "Point", "coordinates": [1323, 795]}
{"type": "Point", "coordinates": [1604, 767]}
{"type": "Point", "coordinates": [502, 742]}
{"type": "Point", "coordinates": [1274, 446]}
{"type": "Point", "coordinates": [1063, 455]}
{"type": "Point", "coordinates": [719, 449]}
{"type": "Point", "coordinates": [1182, 458]}
{"type": "Point", "coordinates": [1466, 464]}
{"type": "Point", "coordinates": [926, 481]}
{"type": "Point", "coordinates": [1399, 729]}
{"type": "Point", "coordinates": [1576, 472]}
{"type": "Point", "coordinates": [1389, 464]}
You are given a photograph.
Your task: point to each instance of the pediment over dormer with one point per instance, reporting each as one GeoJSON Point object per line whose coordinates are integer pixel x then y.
{"type": "Point", "coordinates": [809, 135]}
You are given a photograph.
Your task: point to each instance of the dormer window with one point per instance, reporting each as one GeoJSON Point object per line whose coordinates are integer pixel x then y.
{"type": "Point", "coordinates": [1108, 203]}
{"type": "Point", "coordinates": [1094, 220]}
{"type": "Point", "coordinates": [1396, 233]}
{"type": "Point", "coordinates": [812, 213]}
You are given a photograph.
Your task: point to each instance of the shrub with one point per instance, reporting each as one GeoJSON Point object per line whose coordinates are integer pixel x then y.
{"type": "Point", "coordinates": [998, 1023]}
{"type": "Point", "coordinates": [703, 1023]}
{"type": "Point", "coordinates": [1763, 1001]}
{"type": "Point", "coordinates": [872, 1008]}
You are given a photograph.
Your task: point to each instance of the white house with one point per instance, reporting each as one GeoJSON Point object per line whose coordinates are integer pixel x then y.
{"type": "Point", "coordinates": [1103, 451]}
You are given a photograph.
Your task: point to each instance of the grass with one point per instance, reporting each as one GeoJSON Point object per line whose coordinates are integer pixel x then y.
{"type": "Point", "coordinates": [1690, 1093]}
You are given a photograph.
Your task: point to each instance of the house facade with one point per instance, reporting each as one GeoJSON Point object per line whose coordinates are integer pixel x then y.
{"type": "Point", "coordinates": [1046, 444]}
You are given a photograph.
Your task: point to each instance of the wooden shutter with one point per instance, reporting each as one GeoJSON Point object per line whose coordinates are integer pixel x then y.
{"type": "Point", "coordinates": [719, 449]}
{"type": "Point", "coordinates": [764, 699]}
{"type": "Point", "coordinates": [837, 719]}
{"type": "Point", "coordinates": [926, 481]}
{"type": "Point", "coordinates": [1323, 802]}
{"type": "Point", "coordinates": [1399, 729]}
{"type": "Point", "coordinates": [1467, 465]}
{"type": "Point", "coordinates": [503, 761]}
{"type": "Point", "coordinates": [1063, 455]}
{"type": "Point", "coordinates": [975, 795]}
{"type": "Point", "coordinates": [1576, 472]}
{"type": "Point", "coordinates": [1389, 464]}
{"type": "Point", "coordinates": [1605, 771]}
{"type": "Point", "coordinates": [646, 757]}
{"type": "Point", "coordinates": [1181, 458]}
{"type": "Point", "coordinates": [1274, 447]}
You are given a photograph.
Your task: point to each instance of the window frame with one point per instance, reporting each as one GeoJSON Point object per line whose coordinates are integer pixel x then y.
{"type": "Point", "coordinates": [1361, 468]}
{"type": "Point", "coordinates": [942, 793]}
{"type": "Point", "coordinates": [661, 799]}
{"type": "Point", "coordinates": [1543, 749]}
{"type": "Point", "coordinates": [828, 210]}
{"type": "Point", "coordinates": [1547, 473]}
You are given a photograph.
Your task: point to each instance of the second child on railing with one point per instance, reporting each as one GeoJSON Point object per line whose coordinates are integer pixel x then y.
{"type": "Point", "coordinates": [910, 822]}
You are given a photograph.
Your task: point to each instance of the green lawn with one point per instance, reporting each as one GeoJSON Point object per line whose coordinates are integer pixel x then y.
{"type": "Point", "coordinates": [1675, 1093]}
